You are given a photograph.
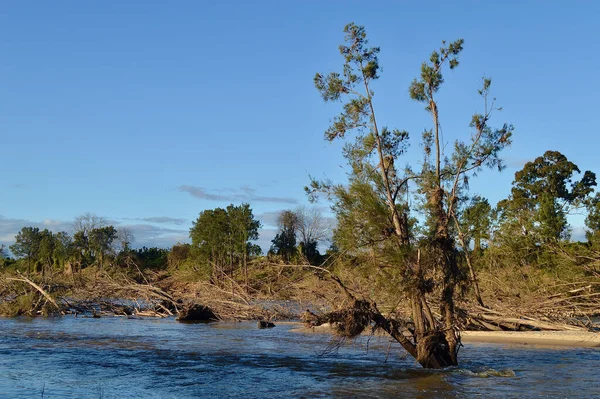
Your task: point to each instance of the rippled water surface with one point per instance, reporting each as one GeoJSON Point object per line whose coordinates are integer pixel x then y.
{"type": "Point", "coordinates": [122, 358]}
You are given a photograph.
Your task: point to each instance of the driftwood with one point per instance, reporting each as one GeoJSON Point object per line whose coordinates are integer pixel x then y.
{"type": "Point", "coordinates": [39, 289]}
{"type": "Point", "coordinates": [112, 295]}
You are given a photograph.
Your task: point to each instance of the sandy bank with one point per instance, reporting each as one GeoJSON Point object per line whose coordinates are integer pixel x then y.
{"type": "Point", "coordinates": [546, 338]}
{"type": "Point", "coordinates": [542, 338]}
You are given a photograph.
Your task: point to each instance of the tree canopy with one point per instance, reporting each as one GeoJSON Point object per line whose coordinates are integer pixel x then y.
{"type": "Point", "coordinates": [222, 238]}
{"type": "Point", "coordinates": [374, 218]}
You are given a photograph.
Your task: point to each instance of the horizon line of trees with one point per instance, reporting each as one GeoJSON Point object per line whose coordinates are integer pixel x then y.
{"type": "Point", "coordinates": [543, 194]}
{"type": "Point", "coordinates": [222, 243]}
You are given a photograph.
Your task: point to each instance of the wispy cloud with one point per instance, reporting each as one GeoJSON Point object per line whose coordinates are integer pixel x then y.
{"type": "Point", "coordinates": [269, 218]}
{"type": "Point", "coordinates": [242, 194]}
{"type": "Point", "coordinates": [516, 163]}
{"type": "Point", "coordinates": [164, 220]}
{"type": "Point", "coordinates": [155, 236]}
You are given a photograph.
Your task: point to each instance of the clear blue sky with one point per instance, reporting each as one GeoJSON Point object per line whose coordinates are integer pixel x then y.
{"type": "Point", "coordinates": [148, 112]}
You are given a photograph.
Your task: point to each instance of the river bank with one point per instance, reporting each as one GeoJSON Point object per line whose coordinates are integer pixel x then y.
{"type": "Point", "coordinates": [575, 339]}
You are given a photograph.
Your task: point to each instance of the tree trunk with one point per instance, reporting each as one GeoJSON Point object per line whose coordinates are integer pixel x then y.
{"type": "Point", "coordinates": [434, 348]}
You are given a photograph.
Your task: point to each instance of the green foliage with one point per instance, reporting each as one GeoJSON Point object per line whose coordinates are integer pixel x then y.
{"type": "Point", "coordinates": [374, 153]}
{"type": "Point", "coordinates": [100, 242]}
{"type": "Point", "coordinates": [443, 179]}
{"type": "Point", "coordinates": [363, 217]}
{"type": "Point", "coordinates": [178, 255]}
{"type": "Point", "coordinates": [431, 78]}
{"type": "Point", "coordinates": [544, 192]}
{"type": "Point", "coordinates": [221, 238]}
{"type": "Point", "coordinates": [552, 174]}
{"type": "Point", "coordinates": [592, 220]}
{"type": "Point", "coordinates": [42, 250]}
{"type": "Point", "coordinates": [284, 243]}
{"type": "Point", "coordinates": [476, 222]}
{"type": "Point", "coordinates": [45, 251]}
{"type": "Point", "coordinates": [149, 258]}
{"type": "Point", "coordinates": [27, 244]}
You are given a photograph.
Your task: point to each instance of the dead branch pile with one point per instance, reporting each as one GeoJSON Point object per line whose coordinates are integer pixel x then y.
{"type": "Point", "coordinates": [566, 306]}
{"type": "Point", "coordinates": [22, 296]}
{"type": "Point", "coordinates": [232, 302]}
{"type": "Point", "coordinates": [121, 296]}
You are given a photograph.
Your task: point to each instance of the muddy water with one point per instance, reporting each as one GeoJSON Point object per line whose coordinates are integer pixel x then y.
{"type": "Point", "coordinates": [121, 358]}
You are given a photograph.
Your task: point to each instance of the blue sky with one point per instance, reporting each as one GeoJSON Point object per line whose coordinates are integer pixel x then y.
{"type": "Point", "coordinates": [148, 112]}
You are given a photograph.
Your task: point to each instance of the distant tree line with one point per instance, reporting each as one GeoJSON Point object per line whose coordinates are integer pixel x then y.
{"type": "Point", "coordinates": [222, 245]}
{"type": "Point", "coordinates": [94, 243]}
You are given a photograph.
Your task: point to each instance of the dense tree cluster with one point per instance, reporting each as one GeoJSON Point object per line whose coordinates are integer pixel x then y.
{"type": "Point", "coordinates": [94, 243]}
{"type": "Point", "coordinates": [222, 240]}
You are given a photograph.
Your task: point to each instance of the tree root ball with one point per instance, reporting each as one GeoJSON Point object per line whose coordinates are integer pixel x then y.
{"type": "Point", "coordinates": [196, 312]}
{"type": "Point", "coordinates": [265, 324]}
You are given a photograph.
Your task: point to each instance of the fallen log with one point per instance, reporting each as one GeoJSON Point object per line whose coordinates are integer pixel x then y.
{"type": "Point", "coordinates": [510, 323]}
{"type": "Point", "coordinates": [39, 289]}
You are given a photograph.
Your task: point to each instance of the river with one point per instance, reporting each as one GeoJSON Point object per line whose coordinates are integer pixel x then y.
{"type": "Point", "coordinates": [70, 357]}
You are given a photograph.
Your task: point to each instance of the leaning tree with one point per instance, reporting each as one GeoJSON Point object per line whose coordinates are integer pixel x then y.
{"type": "Point", "coordinates": [420, 262]}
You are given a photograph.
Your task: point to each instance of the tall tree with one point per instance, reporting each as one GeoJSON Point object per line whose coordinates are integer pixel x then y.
{"type": "Point", "coordinates": [442, 181]}
{"type": "Point", "coordinates": [244, 228]}
{"type": "Point", "coordinates": [222, 238]}
{"type": "Point", "coordinates": [476, 223]}
{"type": "Point", "coordinates": [592, 221]}
{"type": "Point", "coordinates": [546, 191]}
{"type": "Point", "coordinates": [284, 243]}
{"type": "Point", "coordinates": [46, 250]}
{"type": "Point", "coordinates": [27, 245]}
{"type": "Point", "coordinates": [313, 228]}
{"type": "Point", "coordinates": [371, 211]}
{"type": "Point", "coordinates": [83, 226]}
{"type": "Point", "coordinates": [87, 222]}
{"type": "Point", "coordinates": [100, 242]}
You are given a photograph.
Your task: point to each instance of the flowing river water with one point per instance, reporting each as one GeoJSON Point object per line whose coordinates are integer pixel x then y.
{"type": "Point", "coordinates": [116, 357]}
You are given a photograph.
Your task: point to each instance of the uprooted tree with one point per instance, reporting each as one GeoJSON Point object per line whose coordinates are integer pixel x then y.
{"type": "Point", "coordinates": [417, 264]}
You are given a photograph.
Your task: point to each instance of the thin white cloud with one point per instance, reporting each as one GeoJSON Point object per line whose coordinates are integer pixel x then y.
{"type": "Point", "coordinates": [155, 236]}
{"type": "Point", "coordinates": [268, 218]}
{"type": "Point", "coordinates": [242, 194]}
{"type": "Point", "coordinates": [164, 220]}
